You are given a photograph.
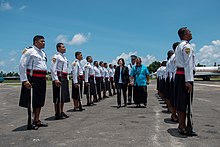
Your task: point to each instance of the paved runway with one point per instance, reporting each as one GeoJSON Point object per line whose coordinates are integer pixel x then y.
{"type": "Point", "coordinates": [105, 125]}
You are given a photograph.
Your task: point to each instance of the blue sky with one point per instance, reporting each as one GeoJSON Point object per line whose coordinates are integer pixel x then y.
{"type": "Point", "coordinates": [108, 29]}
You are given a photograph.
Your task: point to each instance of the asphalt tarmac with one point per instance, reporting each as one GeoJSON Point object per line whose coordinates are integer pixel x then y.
{"type": "Point", "coordinates": [104, 125]}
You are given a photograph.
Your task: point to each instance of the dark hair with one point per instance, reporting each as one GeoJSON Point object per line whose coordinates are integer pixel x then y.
{"type": "Point", "coordinates": [37, 37]}
{"type": "Point", "coordinates": [110, 65]}
{"type": "Point", "coordinates": [58, 45]}
{"type": "Point", "coordinates": [123, 61]}
{"type": "Point", "coordinates": [77, 53]}
{"type": "Point", "coordinates": [87, 58]}
{"type": "Point", "coordinates": [182, 32]}
{"type": "Point", "coordinates": [105, 64]}
{"type": "Point", "coordinates": [164, 63]}
{"type": "Point", "coordinates": [100, 63]}
{"type": "Point", "coordinates": [95, 62]}
{"type": "Point", "coordinates": [175, 45]}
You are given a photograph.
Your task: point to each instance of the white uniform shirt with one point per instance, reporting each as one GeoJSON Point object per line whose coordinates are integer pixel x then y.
{"type": "Point", "coordinates": [130, 66]}
{"type": "Point", "coordinates": [59, 63]}
{"type": "Point", "coordinates": [172, 67]}
{"type": "Point", "coordinates": [97, 72]}
{"type": "Point", "coordinates": [106, 73]}
{"type": "Point", "coordinates": [111, 73]}
{"type": "Point", "coordinates": [33, 59]}
{"type": "Point", "coordinates": [159, 72]}
{"type": "Point", "coordinates": [163, 72]}
{"type": "Point", "coordinates": [185, 58]}
{"type": "Point", "coordinates": [89, 71]}
{"type": "Point", "coordinates": [77, 70]}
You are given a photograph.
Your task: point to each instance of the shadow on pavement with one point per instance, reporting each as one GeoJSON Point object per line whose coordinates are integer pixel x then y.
{"type": "Point", "coordinates": [169, 121]}
{"type": "Point", "coordinates": [166, 112]}
{"type": "Point", "coordinates": [174, 132]}
{"type": "Point", "coordinates": [21, 128]}
{"type": "Point", "coordinates": [51, 118]}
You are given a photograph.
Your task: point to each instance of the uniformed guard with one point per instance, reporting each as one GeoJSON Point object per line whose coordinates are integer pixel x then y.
{"type": "Point", "coordinates": [140, 79]}
{"type": "Point", "coordinates": [33, 70]}
{"type": "Point", "coordinates": [158, 73]}
{"type": "Point", "coordinates": [111, 76]}
{"type": "Point", "coordinates": [107, 80]}
{"type": "Point", "coordinates": [162, 80]}
{"type": "Point", "coordinates": [185, 63]}
{"type": "Point", "coordinates": [90, 89]}
{"type": "Point", "coordinates": [167, 81]}
{"type": "Point", "coordinates": [103, 84]}
{"type": "Point", "coordinates": [97, 79]}
{"type": "Point", "coordinates": [59, 74]}
{"type": "Point", "coordinates": [77, 73]}
{"type": "Point", "coordinates": [130, 88]}
{"type": "Point", "coordinates": [172, 71]}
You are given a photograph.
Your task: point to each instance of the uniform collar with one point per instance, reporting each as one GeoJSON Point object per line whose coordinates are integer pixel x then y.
{"type": "Point", "coordinates": [37, 48]}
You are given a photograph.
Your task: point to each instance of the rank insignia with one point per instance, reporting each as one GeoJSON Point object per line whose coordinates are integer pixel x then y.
{"type": "Point", "coordinates": [54, 60]}
{"type": "Point", "coordinates": [187, 50]}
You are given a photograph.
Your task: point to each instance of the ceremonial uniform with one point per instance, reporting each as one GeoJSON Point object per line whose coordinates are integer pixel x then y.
{"type": "Point", "coordinates": [185, 63]}
{"type": "Point", "coordinates": [59, 71]}
{"type": "Point", "coordinates": [89, 78]}
{"type": "Point", "coordinates": [167, 81]}
{"type": "Point", "coordinates": [111, 76]}
{"type": "Point", "coordinates": [77, 73]}
{"type": "Point", "coordinates": [33, 68]}
{"type": "Point", "coordinates": [107, 83]}
{"type": "Point", "coordinates": [102, 77]}
{"type": "Point", "coordinates": [140, 84]}
{"type": "Point", "coordinates": [162, 80]}
{"type": "Point", "coordinates": [98, 81]}
{"type": "Point", "coordinates": [130, 88]}
{"type": "Point", "coordinates": [172, 71]}
{"type": "Point", "coordinates": [158, 78]}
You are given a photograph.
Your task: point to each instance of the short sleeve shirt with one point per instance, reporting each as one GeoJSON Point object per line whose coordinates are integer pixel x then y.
{"type": "Point", "coordinates": [140, 74]}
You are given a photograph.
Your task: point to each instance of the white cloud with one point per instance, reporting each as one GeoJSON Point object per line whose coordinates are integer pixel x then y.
{"type": "Point", "coordinates": [209, 54]}
{"type": "Point", "coordinates": [12, 53]}
{"type": "Point", "coordinates": [23, 7]}
{"type": "Point", "coordinates": [146, 60]}
{"type": "Point", "coordinates": [2, 63]}
{"type": "Point", "coordinates": [77, 39]}
{"type": "Point", "coordinates": [5, 6]}
{"type": "Point", "coordinates": [12, 59]}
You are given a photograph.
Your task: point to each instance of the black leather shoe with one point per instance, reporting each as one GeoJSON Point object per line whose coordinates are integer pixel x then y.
{"type": "Point", "coordinates": [119, 106]}
{"type": "Point", "coordinates": [40, 124]}
{"type": "Point", "coordinates": [182, 131]}
{"type": "Point", "coordinates": [64, 115]}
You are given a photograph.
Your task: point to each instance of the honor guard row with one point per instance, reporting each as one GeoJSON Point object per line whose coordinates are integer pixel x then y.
{"type": "Point", "coordinates": [175, 82]}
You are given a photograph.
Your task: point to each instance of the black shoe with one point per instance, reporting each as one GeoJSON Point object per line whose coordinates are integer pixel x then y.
{"type": "Point", "coordinates": [129, 103]}
{"type": "Point", "coordinates": [182, 131]}
{"type": "Point", "coordinates": [81, 109]}
{"type": "Point", "coordinates": [40, 124]}
{"type": "Point", "coordinates": [57, 117]}
{"type": "Point", "coordinates": [64, 115]}
{"type": "Point", "coordinates": [32, 127]}
{"type": "Point", "coordinates": [119, 106]}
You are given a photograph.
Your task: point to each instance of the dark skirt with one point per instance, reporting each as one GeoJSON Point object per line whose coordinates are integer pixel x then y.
{"type": "Point", "coordinates": [65, 95]}
{"type": "Point", "coordinates": [107, 84]}
{"type": "Point", "coordinates": [77, 91]}
{"type": "Point", "coordinates": [158, 83]}
{"type": "Point", "coordinates": [92, 87]}
{"type": "Point", "coordinates": [98, 84]}
{"type": "Point", "coordinates": [140, 94]}
{"type": "Point", "coordinates": [181, 95]}
{"type": "Point", "coordinates": [102, 84]}
{"type": "Point", "coordinates": [172, 100]}
{"type": "Point", "coordinates": [167, 88]}
{"type": "Point", "coordinates": [38, 94]}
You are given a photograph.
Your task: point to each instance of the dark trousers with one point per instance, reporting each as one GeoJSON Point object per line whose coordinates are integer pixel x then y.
{"type": "Point", "coordinates": [123, 88]}
{"type": "Point", "coordinates": [130, 89]}
{"type": "Point", "coordinates": [98, 87]}
{"type": "Point", "coordinates": [112, 86]}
